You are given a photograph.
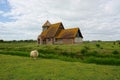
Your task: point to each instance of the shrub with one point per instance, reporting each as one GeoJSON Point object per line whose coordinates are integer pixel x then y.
{"type": "Point", "coordinates": [115, 52]}
{"type": "Point", "coordinates": [98, 45]}
{"type": "Point", "coordinates": [83, 51]}
{"type": "Point", "coordinates": [64, 53]}
{"type": "Point", "coordinates": [93, 53]}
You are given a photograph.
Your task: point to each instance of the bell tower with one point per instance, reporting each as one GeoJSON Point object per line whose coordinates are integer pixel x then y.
{"type": "Point", "coordinates": [46, 25]}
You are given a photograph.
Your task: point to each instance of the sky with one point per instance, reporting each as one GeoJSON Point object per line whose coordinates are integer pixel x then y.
{"type": "Point", "coordinates": [23, 19]}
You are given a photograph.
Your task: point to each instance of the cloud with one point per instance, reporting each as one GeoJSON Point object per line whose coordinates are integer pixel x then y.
{"type": "Point", "coordinates": [112, 7]}
{"type": "Point", "coordinates": [1, 12]}
{"type": "Point", "coordinates": [96, 19]}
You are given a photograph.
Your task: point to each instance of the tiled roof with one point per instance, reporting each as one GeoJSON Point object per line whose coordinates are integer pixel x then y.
{"type": "Point", "coordinates": [43, 34]}
{"type": "Point", "coordinates": [57, 31]}
{"type": "Point", "coordinates": [47, 23]}
{"type": "Point", "coordinates": [68, 33]}
{"type": "Point", "coordinates": [51, 31]}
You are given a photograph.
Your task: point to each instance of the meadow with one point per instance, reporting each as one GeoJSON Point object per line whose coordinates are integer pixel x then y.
{"type": "Point", "coordinates": [107, 53]}
{"type": "Point", "coordinates": [24, 68]}
{"type": "Point", "coordinates": [86, 61]}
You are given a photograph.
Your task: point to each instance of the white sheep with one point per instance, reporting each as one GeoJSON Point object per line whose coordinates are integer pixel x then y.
{"type": "Point", "coordinates": [34, 54]}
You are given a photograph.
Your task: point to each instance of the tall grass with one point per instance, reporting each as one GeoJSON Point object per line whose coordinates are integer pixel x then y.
{"type": "Point", "coordinates": [105, 61]}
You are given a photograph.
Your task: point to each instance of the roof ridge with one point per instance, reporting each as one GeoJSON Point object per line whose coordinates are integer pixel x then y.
{"type": "Point", "coordinates": [72, 28]}
{"type": "Point", "coordinates": [56, 23]}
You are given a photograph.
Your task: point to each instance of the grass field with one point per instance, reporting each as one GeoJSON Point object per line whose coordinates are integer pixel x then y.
{"type": "Point", "coordinates": [24, 68]}
{"type": "Point", "coordinates": [86, 61]}
{"type": "Point", "coordinates": [89, 52]}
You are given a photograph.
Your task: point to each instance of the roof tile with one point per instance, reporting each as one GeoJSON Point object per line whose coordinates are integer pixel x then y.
{"type": "Point", "coordinates": [68, 33]}
{"type": "Point", "coordinates": [51, 31]}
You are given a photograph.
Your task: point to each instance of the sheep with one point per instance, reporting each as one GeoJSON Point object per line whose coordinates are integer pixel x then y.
{"type": "Point", "coordinates": [34, 54]}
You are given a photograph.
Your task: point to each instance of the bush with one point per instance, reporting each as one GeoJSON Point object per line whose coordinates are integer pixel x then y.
{"type": "Point", "coordinates": [84, 51]}
{"type": "Point", "coordinates": [64, 53]}
{"type": "Point", "coordinates": [98, 45]}
{"type": "Point", "coordinates": [93, 53]}
{"type": "Point", "coordinates": [115, 52]}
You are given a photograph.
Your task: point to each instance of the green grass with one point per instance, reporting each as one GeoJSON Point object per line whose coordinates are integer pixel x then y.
{"type": "Point", "coordinates": [92, 52]}
{"type": "Point", "coordinates": [24, 68]}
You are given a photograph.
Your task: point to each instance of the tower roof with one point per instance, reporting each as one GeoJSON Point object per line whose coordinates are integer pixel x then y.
{"type": "Point", "coordinates": [47, 23]}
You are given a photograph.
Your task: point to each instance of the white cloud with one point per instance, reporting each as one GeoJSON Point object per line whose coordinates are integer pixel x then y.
{"type": "Point", "coordinates": [112, 7]}
{"type": "Point", "coordinates": [1, 12]}
{"type": "Point", "coordinates": [96, 19]}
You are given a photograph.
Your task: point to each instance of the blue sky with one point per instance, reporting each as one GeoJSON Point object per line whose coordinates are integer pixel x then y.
{"type": "Point", "coordinates": [4, 7]}
{"type": "Point", "coordinates": [97, 19]}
